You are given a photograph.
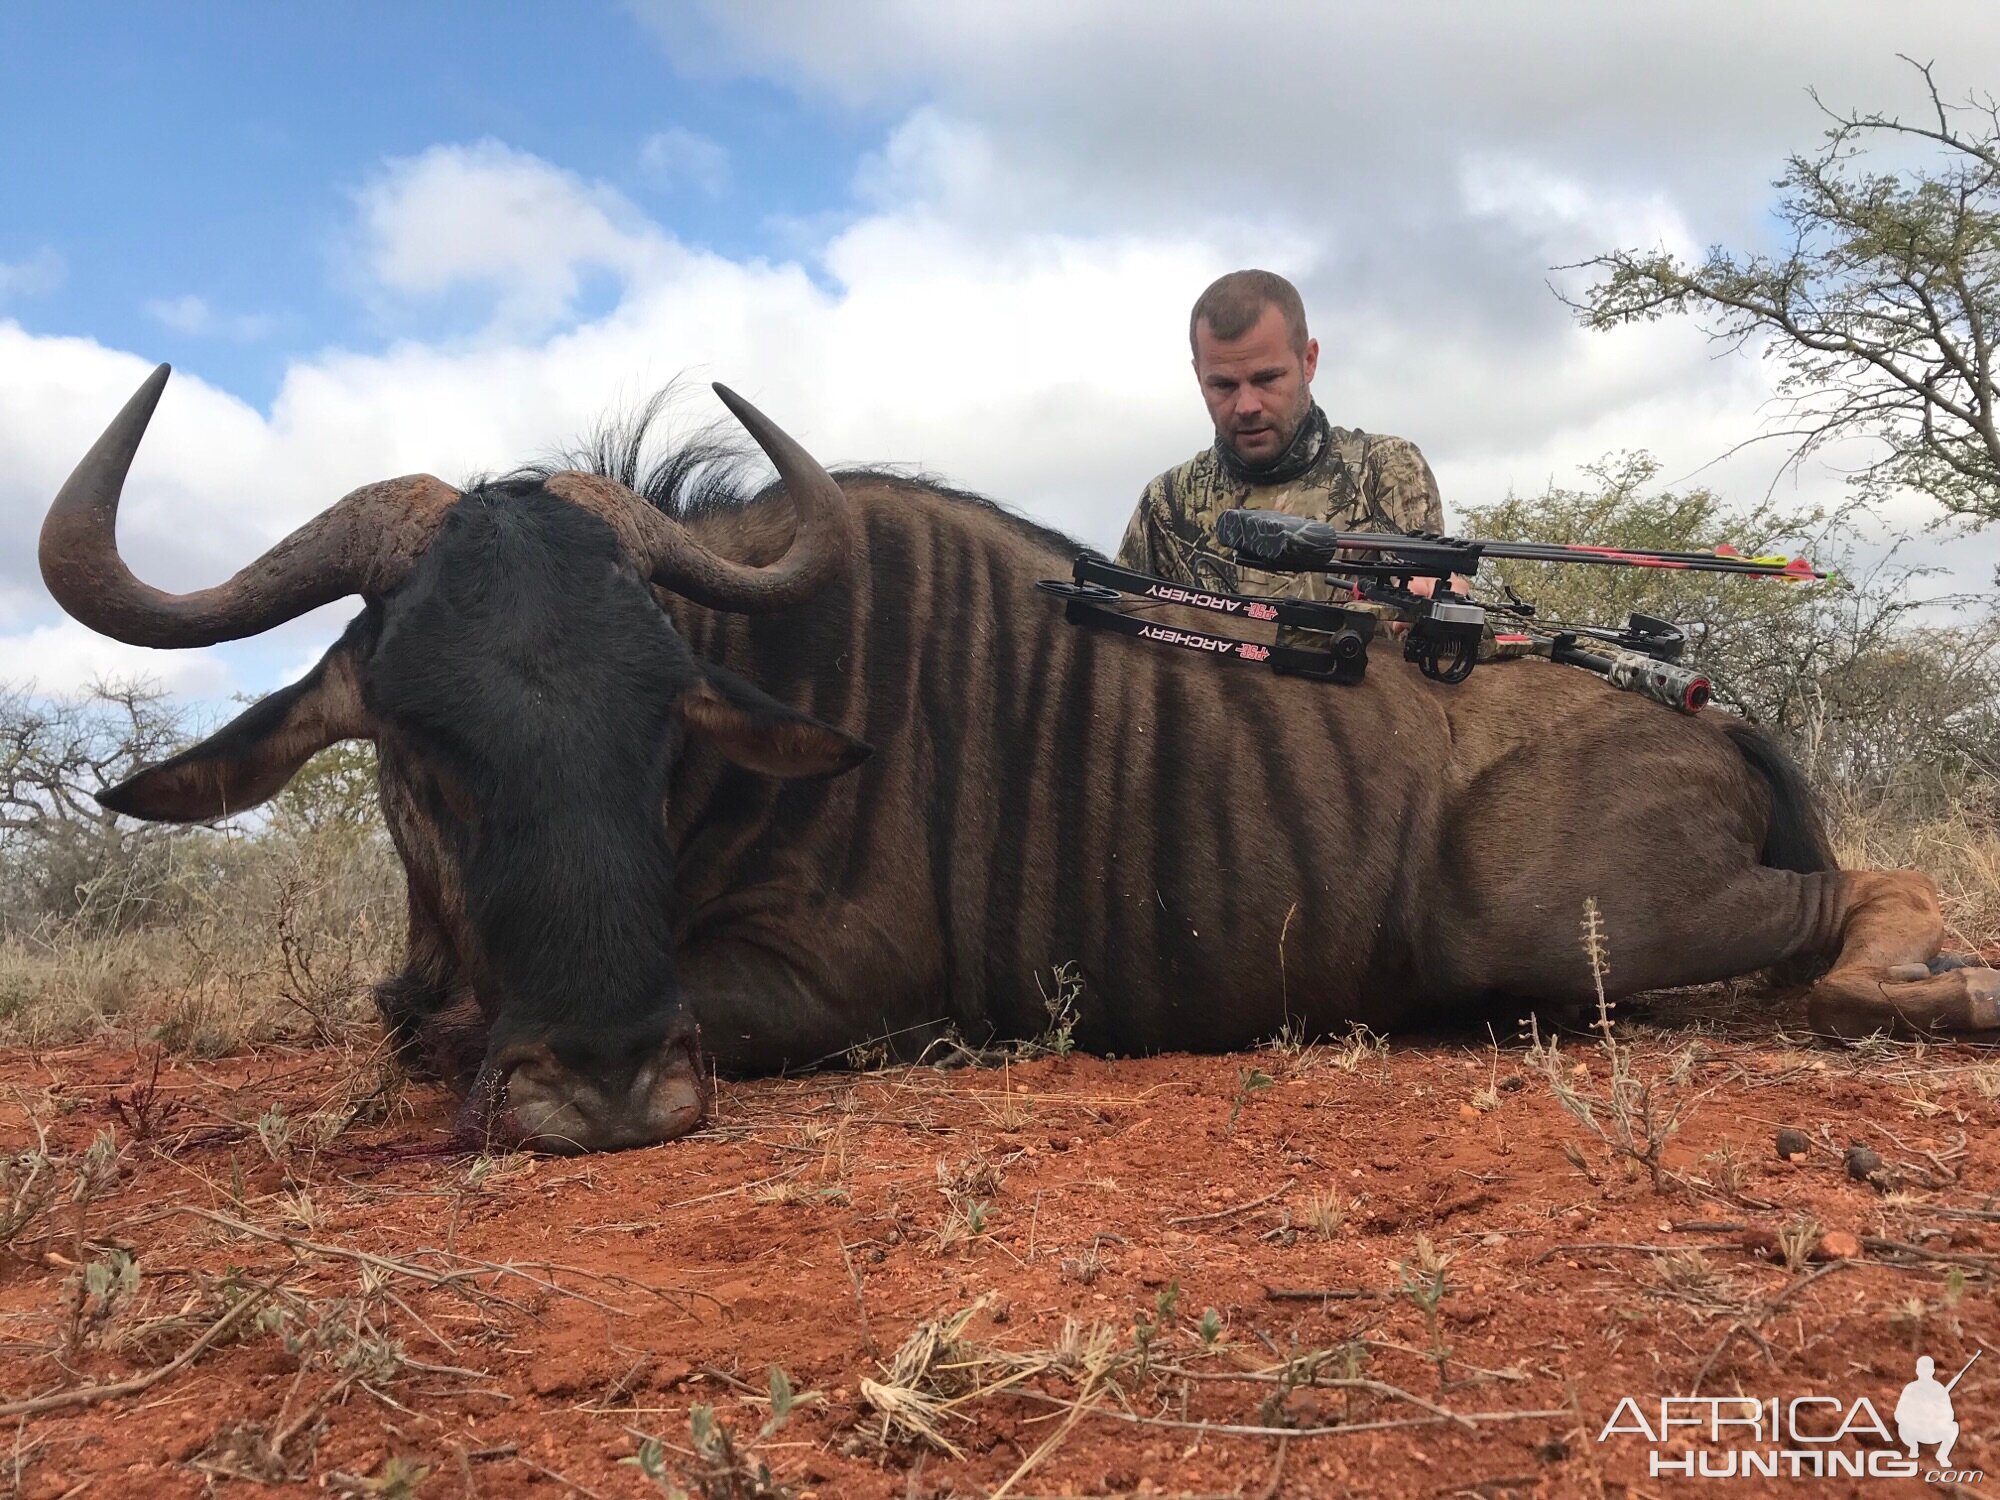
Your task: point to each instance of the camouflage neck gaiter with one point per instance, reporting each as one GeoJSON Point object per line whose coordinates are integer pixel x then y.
{"type": "Point", "coordinates": [1300, 454]}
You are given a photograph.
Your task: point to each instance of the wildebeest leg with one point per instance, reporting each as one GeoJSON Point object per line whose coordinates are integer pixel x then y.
{"type": "Point", "coordinates": [434, 1027]}
{"type": "Point", "coordinates": [1889, 930]}
{"type": "Point", "coordinates": [760, 1011]}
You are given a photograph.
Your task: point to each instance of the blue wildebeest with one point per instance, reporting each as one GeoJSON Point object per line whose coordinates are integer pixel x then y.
{"type": "Point", "coordinates": [762, 780]}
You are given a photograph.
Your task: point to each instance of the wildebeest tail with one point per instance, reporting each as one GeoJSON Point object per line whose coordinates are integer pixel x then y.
{"type": "Point", "coordinates": [1795, 839]}
{"type": "Point", "coordinates": [1796, 836]}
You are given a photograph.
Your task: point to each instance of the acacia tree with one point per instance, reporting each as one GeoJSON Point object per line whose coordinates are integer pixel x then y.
{"type": "Point", "coordinates": [61, 854]}
{"type": "Point", "coordinates": [1873, 695]}
{"type": "Point", "coordinates": [1884, 310]}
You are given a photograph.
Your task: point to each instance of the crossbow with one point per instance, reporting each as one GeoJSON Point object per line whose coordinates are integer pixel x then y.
{"type": "Point", "coordinates": [1447, 634]}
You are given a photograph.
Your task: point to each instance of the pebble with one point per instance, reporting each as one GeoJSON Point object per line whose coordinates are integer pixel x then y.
{"type": "Point", "coordinates": [1794, 1145]}
{"type": "Point", "coordinates": [1837, 1244]}
{"type": "Point", "coordinates": [1863, 1163]}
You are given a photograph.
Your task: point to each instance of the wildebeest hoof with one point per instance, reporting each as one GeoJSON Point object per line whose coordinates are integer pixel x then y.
{"type": "Point", "coordinates": [1905, 973]}
{"type": "Point", "coordinates": [1982, 998]}
{"type": "Point", "coordinates": [1944, 963]}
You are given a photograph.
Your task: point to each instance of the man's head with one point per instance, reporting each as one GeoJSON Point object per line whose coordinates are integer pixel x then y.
{"type": "Point", "coordinates": [1254, 361]}
{"type": "Point", "coordinates": [1926, 1367]}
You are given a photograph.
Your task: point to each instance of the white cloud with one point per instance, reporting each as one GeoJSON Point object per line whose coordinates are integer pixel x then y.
{"type": "Point", "coordinates": [678, 157]}
{"type": "Point", "coordinates": [1004, 300]}
{"type": "Point", "coordinates": [43, 271]}
{"type": "Point", "coordinates": [64, 660]}
{"type": "Point", "coordinates": [193, 316]}
{"type": "Point", "coordinates": [487, 216]}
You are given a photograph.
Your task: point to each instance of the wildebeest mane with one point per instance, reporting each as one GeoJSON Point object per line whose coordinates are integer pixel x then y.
{"type": "Point", "coordinates": [708, 472]}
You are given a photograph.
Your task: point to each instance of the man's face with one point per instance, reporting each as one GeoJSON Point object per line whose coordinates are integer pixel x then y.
{"type": "Point", "coordinates": [1258, 388]}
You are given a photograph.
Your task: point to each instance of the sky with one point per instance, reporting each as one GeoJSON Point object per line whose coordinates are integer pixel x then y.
{"type": "Point", "coordinates": [376, 239]}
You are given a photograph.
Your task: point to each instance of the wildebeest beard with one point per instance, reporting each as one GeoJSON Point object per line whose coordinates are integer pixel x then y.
{"type": "Point", "coordinates": [535, 680]}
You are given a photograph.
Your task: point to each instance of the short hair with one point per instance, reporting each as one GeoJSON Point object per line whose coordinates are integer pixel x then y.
{"type": "Point", "coordinates": [1232, 305]}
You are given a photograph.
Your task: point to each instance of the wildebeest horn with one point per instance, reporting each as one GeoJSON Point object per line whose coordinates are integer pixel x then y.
{"type": "Point", "coordinates": [363, 543]}
{"type": "Point", "coordinates": [820, 536]}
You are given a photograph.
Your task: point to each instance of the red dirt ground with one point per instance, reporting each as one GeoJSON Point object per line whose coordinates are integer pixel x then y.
{"type": "Point", "coordinates": [803, 1229]}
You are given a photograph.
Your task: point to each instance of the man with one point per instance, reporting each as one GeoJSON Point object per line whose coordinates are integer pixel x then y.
{"type": "Point", "coordinates": [1274, 450]}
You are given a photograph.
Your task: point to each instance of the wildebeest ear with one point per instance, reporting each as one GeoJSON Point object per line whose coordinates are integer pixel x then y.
{"type": "Point", "coordinates": [757, 732]}
{"type": "Point", "coordinates": [250, 758]}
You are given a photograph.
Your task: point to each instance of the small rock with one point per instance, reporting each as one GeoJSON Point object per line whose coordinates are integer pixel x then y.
{"type": "Point", "coordinates": [1384, 1163]}
{"type": "Point", "coordinates": [1837, 1244]}
{"type": "Point", "coordinates": [1513, 1083]}
{"type": "Point", "coordinates": [1468, 1114]}
{"type": "Point", "coordinates": [876, 1257]}
{"type": "Point", "coordinates": [1863, 1163]}
{"type": "Point", "coordinates": [1794, 1145]}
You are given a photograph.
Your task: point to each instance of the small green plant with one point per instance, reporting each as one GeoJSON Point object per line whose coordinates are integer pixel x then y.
{"type": "Point", "coordinates": [1360, 1045]}
{"type": "Point", "coordinates": [1210, 1327]}
{"type": "Point", "coordinates": [1060, 1038]}
{"type": "Point", "coordinates": [1145, 1331]}
{"type": "Point", "coordinates": [95, 1293]}
{"type": "Point", "coordinates": [717, 1469]}
{"type": "Point", "coordinates": [1248, 1081]}
{"type": "Point", "coordinates": [1423, 1282]}
{"type": "Point", "coordinates": [966, 1217]}
{"type": "Point", "coordinates": [1634, 1117]}
{"type": "Point", "coordinates": [275, 1131]}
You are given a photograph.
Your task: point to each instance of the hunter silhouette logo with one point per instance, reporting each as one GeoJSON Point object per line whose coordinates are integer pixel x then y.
{"type": "Point", "coordinates": [1923, 1411]}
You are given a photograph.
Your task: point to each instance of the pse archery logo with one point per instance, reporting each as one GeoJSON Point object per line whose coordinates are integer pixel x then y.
{"type": "Point", "coordinates": [1251, 651]}
{"type": "Point", "coordinates": [1172, 593]}
{"type": "Point", "coordinates": [1800, 1437]}
{"type": "Point", "coordinates": [1261, 611]}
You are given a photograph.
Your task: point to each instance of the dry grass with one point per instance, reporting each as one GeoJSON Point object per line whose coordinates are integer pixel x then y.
{"type": "Point", "coordinates": [273, 936]}
{"type": "Point", "coordinates": [1958, 848]}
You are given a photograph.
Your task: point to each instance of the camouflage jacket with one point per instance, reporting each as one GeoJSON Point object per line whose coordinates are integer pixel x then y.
{"type": "Point", "coordinates": [1361, 481]}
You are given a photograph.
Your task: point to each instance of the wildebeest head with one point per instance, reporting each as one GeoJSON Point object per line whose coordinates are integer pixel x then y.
{"type": "Point", "coordinates": [528, 697]}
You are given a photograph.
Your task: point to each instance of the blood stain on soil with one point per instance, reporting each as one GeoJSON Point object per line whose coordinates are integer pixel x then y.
{"type": "Point", "coordinates": [1346, 1269]}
